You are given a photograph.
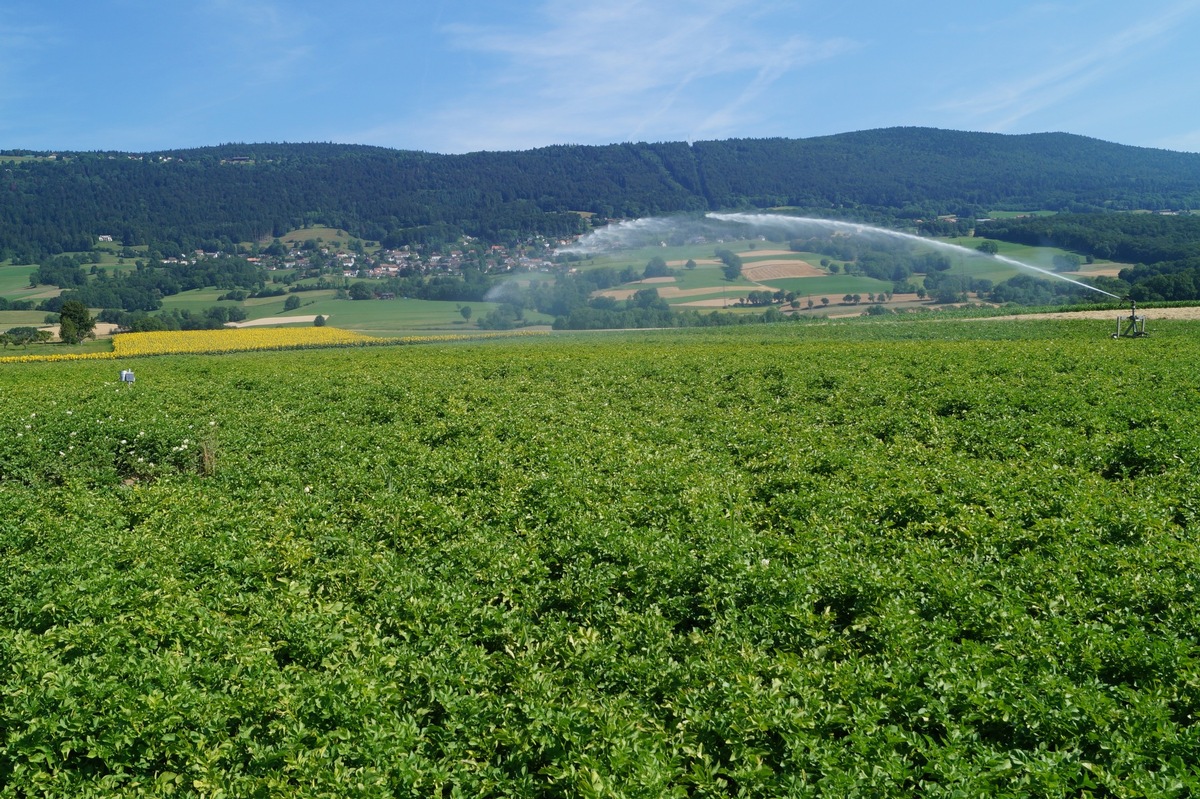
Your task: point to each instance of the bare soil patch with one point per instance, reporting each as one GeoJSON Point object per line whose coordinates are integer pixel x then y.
{"type": "Point", "coordinates": [777, 270]}
{"type": "Point", "coordinates": [1105, 270]}
{"type": "Point", "coordinates": [666, 292]}
{"type": "Point", "coordinates": [709, 303]}
{"type": "Point", "coordinates": [752, 254]}
{"type": "Point", "coordinates": [101, 330]}
{"type": "Point", "coordinates": [699, 262]}
{"type": "Point", "coordinates": [672, 292]}
{"type": "Point", "coordinates": [617, 294]}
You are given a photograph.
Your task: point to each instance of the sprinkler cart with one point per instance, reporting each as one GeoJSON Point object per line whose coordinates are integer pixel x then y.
{"type": "Point", "coordinates": [1133, 326]}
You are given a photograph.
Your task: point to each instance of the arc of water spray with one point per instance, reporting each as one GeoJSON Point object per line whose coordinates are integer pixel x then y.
{"type": "Point", "coordinates": [783, 220]}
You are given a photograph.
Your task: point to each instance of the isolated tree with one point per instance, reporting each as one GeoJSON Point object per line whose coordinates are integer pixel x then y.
{"type": "Point", "coordinates": [465, 312]}
{"type": "Point", "coordinates": [1067, 263]}
{"type": "Point", "coordinates": [291, 303]}
{"type": "Point", "coordinates": [648, 298]}
{"type": "Point", "coordinates": [691, 264]}
{"type": "Point", "coordinates": [21, 336]}
{"type": "Point", "coordinates": [75, 322]}
{"type": "Point", "coordinates": [656, 267]}
{"type": "Point", "coordinates": [988, 247]}
{"type": "Point", "coordinates": [824, 301]}
{"type": "Point", "coordinates": [319, 321]}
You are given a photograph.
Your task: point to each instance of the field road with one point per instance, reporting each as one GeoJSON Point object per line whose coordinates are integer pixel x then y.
{"type": "Point", "coordinates": [273, 320]}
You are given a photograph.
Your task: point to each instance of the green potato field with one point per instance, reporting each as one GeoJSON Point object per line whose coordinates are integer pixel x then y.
{"type": "Point", "coordinates": [909, 558]}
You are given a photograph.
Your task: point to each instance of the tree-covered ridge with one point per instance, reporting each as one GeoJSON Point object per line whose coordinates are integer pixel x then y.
{"type": "Point", "coordinates": [246, 192]}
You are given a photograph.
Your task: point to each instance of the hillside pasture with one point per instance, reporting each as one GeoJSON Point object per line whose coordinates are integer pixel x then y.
{"type": "Point", "coordinates": [14, 279]}
{"type": "Point", "coordinates": [14, 285]}
{"type": "Point", "coordinates": [10, 319]}
{"type": "Point", "coordinates": [328, 236]}
{"type": "Point", "coordinates": [983, 267]}
{"type": "Point", "coordinates": [703, 277]}
{"type": "Point", "coordinates": [197, 300]}
{"type": "Point", "coordinates": [400, 317]}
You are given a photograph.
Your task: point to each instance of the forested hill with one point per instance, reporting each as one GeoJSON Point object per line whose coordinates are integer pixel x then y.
{"type": "Point", "coordinates": [245, 192]}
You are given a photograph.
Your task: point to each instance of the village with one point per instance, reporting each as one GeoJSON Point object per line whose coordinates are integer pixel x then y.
{"type": "Point", "coordinates": [353, 259]}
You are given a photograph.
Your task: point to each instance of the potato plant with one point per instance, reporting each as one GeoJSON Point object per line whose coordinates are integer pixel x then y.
{"type": "Point", "coordinates": [941, 559]}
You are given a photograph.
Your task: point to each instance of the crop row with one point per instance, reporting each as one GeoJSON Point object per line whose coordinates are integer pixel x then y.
{"type": "Point", "coordinates": [232, 340]}
{"type": "Point", "coordinates": [942, 560]}
{"type": "Point", "coordinates": [213, 342]}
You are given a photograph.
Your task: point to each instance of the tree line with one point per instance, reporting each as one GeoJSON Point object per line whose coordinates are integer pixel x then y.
{"type": "Point", "coordinates": [185, 199]}
{"type": "Point", "coordinates": [143, 286]}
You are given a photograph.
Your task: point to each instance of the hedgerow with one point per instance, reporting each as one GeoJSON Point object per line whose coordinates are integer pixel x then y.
{"type": "Point", "coordinates": [884, 560]}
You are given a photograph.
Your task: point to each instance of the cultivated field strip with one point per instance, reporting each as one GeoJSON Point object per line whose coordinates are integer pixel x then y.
{"type": "Point", "coordinates": [875, 560]}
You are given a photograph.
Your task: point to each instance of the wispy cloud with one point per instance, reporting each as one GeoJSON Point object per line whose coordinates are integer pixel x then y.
{"type": "Point", "coordinates": [267, 40]}
{"type": "Point", "coordinates": [794, 54]}
{"type": "Point", "coordinates": [18, 44]}
{"type": "Point", "coordinates": [1002, 106]}
{"type": "Point", "coordinates": [628, 69]}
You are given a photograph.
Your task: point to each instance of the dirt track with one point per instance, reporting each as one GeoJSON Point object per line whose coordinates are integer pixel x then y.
{"type": "Point", "coordinates": [1191, 312]}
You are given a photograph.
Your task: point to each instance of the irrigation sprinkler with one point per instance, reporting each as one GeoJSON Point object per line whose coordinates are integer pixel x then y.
{"type": "Point", "coordinates": [1132, 326]}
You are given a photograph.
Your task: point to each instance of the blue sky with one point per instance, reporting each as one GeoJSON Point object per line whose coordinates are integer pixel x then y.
{"type": "Point", "coordinates": [463, 75]}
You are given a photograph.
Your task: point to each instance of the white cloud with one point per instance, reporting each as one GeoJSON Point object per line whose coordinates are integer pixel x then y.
{"type": "Point", "coordinates": [794, 54]}
{"type": "Point", "coordinates": [19, 44]}
{"type": "Point", "coordinates": [626, 69]}
{"type": "Point", "coordinates": [267, 40]}
{"type": "Point", "coordinates": [1001, 106]}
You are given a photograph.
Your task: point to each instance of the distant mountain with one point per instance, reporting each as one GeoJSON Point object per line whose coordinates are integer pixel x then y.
{"type": "Point", "coordinates": [243, 192]}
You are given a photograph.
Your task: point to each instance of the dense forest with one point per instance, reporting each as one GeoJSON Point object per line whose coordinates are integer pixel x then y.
{"type": "Point", "coordinates": [231, 193]}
